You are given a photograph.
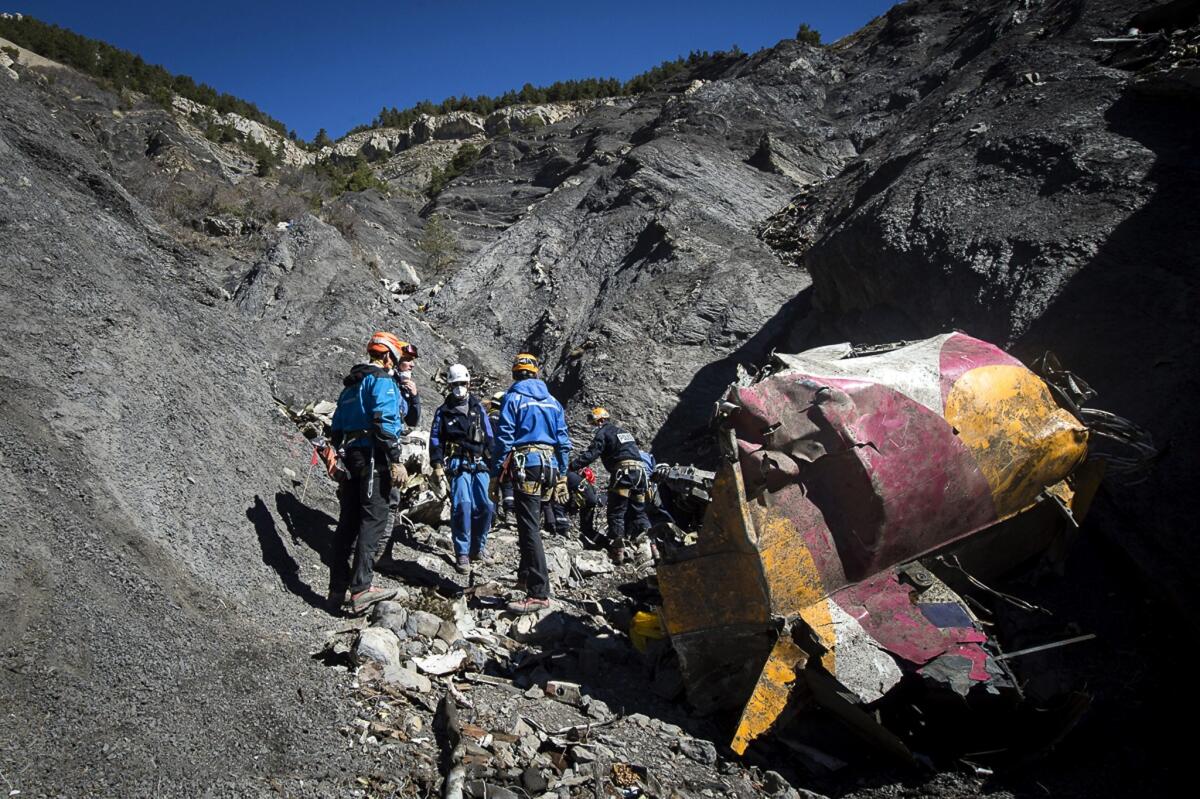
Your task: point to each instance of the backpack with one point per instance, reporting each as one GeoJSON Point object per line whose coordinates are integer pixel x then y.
{"type": "Point", "coordinates": [466, 430]}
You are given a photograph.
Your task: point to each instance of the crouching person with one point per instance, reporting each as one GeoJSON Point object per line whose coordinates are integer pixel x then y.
{"type": "Point", "coordinates": [617, 449]}
{"type": "Point", "coordinates": [366, 430]}
{"type": "Point", "coordinates": [460, 444]}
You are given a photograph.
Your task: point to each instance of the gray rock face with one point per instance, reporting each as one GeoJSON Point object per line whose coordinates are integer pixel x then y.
{"type": "Point", "coordinates": [698, 750]}
{"type": "Point", "coordinates": [147, 362]}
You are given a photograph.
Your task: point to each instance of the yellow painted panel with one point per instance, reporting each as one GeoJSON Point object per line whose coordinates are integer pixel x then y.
{"type": "Point", "coordinates": [713, 591]}
{"type": "Point", "coordinates": [793, 581]}
{"type": "Point", "coordinates": [1022, 441]}
{"type": "Point", "coordinates": [820, 620]}
{"type": "Point", "coordinates": [726, 524]}
{"type": "Point", "coordinates": [771, 693]}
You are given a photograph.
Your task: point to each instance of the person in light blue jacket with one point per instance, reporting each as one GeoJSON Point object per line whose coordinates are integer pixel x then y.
{"type": "Point", "coordinates": [366, 430]}
{"type": "Point", "coordinates": [532, 449]}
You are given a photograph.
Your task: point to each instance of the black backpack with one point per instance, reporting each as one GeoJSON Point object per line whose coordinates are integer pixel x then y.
{"type": "Point", "coordinates": [466, 430]}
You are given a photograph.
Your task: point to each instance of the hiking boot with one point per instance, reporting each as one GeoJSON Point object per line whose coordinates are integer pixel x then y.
{"type": "Point", "coordinates": [360, 602]}
{"type": "Point", "coordinates": [484, 555]}
{"type": "Point", "coordinates": [529, 604]}
{"type": "Point", "coordinates": [463, 564]}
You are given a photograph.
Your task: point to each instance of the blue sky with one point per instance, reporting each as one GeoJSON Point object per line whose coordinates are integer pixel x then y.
{"type": "Point", "coordinates": [333, 65]}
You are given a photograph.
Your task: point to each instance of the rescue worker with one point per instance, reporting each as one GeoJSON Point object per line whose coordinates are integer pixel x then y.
{"type": "Point", "coordinates": [581, 500]}
{"type": "Point", "coordinates": [408, 387]}
{"type": "Point", "coordinates": [618, 450]}
{"type": "Point", "coordinates": [366, 430]}
{"type": "Point", "coordinates": [460, 445]}
{"type": "Point", "coordinates": [532, 449]}
{"type": "Point", "coordinates": [582, 488]}
{"type": "Point", "coordinates": [506, 486]}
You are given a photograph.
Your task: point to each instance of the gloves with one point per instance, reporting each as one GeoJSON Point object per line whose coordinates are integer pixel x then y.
{"type": "Point", "coordinates": [561, 493]}
{"type": "Point", "coordinates": [439, 483]}
{"type": "Point", "coordinates": [399, 474]}
{"type": "Point", "coordinates": [494, 491]}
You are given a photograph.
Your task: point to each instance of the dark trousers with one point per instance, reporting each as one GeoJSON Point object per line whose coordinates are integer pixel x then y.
{"type": "Point", "coordinates": [361, 523]}
{"type": "Point", "coordinates": [554, 519]}
{"type": "Point", "coordinates": [626, 498]}
{"type": "Point", "coordinates": [636, 519]}
{"type": "Point", "coordinates": [619, 507]}
{"type": "Point", "coordinates": [587, 523]}
{"type": "Point", "coordinates": [529, 533]}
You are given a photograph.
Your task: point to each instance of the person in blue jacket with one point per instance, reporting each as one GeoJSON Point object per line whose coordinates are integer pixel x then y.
{"type": "Point", "coordinates": [366, 430]}
{"type": "Point", "coordinates": [532, 449]}
{"type": "Point", "coordinates": [460, 444]}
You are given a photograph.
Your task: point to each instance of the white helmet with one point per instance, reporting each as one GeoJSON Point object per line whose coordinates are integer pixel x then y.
{"type": "Point", "coordinates": [457, 373]}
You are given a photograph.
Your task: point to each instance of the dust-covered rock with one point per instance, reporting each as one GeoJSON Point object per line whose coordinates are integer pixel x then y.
{"type": "Point", "coordinates": [591, 562]}
{"type": "Point", "coordinates": [378, 645]}
{"type": "Point", "coordinates": [423, 623]}
{"type": "Point", "coordinates": [698, 750]}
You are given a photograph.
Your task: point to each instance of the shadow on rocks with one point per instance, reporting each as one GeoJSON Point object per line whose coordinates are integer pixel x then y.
{"type": "Point", "coordinates": [304, 524]}
{"type": "Point", "coordinates": [684, 436]}
{"type": "Point", "coordinates": [276, 555]}
{"type": "Point", "coordinates": [609, 669]}
{"type": "Point", "coordinates": [410, 572]}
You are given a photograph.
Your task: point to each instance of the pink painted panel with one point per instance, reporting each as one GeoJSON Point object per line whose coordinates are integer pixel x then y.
{"type": "Point", "coordinates": [884, 476]}
{"type": "Point", "coordinates": [961, 354]}
{"type": "Point", "coordinates": [884, 607]}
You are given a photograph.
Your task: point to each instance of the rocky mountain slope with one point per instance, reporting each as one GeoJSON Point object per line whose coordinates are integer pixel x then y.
{"type": "Point", "coordinates": [987, 167]}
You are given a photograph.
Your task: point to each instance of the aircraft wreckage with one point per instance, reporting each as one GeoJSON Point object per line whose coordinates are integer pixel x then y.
{"type": "Point", "coordinates": [859, 495]}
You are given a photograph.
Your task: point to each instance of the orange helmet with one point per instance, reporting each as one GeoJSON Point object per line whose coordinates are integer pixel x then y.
{"type": "Point", "coordinates": [384, 343]}
{"type": "Point", "coordinates": [524, 362]}
{"type": "Point", "coordinates": [599, 414]}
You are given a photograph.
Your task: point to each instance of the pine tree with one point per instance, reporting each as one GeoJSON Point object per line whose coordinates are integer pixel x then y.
{"type": "Point", "coordinates": [808, 35]}
{"type": "Point", "coordinates": [439, 244]}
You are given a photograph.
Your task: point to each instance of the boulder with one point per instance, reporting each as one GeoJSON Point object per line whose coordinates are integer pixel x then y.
{"type": "Point", "coordinates": [702, 752]}
{"type": "Point", "coordinates": [379, 645]}
{"type": "Point", "coordinates": [423, 623]}
{"type": "Point", "coordinates": [392, 615]}
{"type": "Point", "coordinates": [407, 680]}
